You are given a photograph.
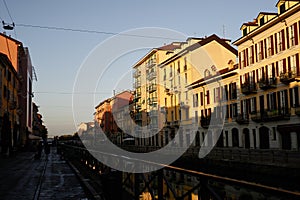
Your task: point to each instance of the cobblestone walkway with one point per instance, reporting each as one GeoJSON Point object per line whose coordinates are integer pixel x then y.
{"type": "Point", "coordinates": [23, 177]}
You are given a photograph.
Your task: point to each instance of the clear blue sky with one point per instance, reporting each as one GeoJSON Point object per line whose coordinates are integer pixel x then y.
{"type": "Point", "coordinates": [58, 55]}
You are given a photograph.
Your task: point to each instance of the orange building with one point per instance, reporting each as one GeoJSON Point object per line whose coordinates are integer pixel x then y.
{"type": "Point", "coordinates": [18, 72]}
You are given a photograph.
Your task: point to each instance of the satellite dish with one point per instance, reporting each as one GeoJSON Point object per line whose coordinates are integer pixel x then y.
{"type": "Point", "coordinates": [8, 26]}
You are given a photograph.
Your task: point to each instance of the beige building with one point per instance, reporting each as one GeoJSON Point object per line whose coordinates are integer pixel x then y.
{"type": "Point", "coordinates": [269, 78]}
{"type": "Point", "coordinates": [148, 91]}
{"type": "Point", "coordinates": [192, 74]}
{"type": "Point", "coordinates": [161, 79]}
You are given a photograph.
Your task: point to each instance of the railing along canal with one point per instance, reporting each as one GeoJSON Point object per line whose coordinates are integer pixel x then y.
{"type": "Point", "coordinates": [173, 182]}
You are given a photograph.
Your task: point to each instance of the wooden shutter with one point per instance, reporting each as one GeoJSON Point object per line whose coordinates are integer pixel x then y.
{"type": "Point", "coordinates": [296, 33]}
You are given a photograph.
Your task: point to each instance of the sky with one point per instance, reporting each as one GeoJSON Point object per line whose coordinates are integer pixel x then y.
{"type": "Point", "coordinates": [60, 55]}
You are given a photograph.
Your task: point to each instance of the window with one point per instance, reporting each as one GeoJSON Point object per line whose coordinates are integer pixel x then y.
{"type": "Point", "coordinates": [171, 71]}
{"type": "Point", "coordinates": [233, 110]}
{"type": "Point", "coordinates": [251, 55]}
{"type": "Point", "coordinates": [165, 74]}
{"type": "Point", "coordinates": [244, 31]}
{"type": "Point", "coordinates": [253, 105]}
{"type": "Point", "coordinates": [217, 95]}
{"type": "Point", "coordinates": [195, 100]}
{"type": "Point", "coordinates": [271, 100]}
{"type": "Point", "coordinates": [185, 78]}
{"type": "Point", "coordinates": [242, 58]}
{"type": "Point", "coordinates": [270, 45]}
{"type": "Point", "coordinates": [294, 97]}
{"type": "Point", "coordinates": [293, 64]}
{"type": "Point", "coordinates": [232, 91]}
{"type": "Point", "coordinates": [274, 133]}
{"type": "Point", "coordinates": [201, 98]}
{"type": "Point", "coordinates": [178, 66]}
{"type": "Point", "coordinates": [282, 8]}
{"type": "Point", "coordinates": [292, 35]}
{"type": "Point", "coordinates": [279, 41]}
{"type": "Point", "coordinates": [260, 50]}
{"type": "Point", "coordinates": [262, 21]}
{"type": "Point", "coordinates": [207, 97]}
{"type": "Point", "coordinates": [206, 73]}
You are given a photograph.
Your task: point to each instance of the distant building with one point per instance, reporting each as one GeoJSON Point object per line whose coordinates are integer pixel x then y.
{"type": "Point", "coordinates": [112, 116]}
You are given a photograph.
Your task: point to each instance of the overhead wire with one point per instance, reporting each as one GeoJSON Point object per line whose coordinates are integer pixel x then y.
{"type": "Point", "coordinates": [8, 11]}
{"type": "Point", "coordinates": [93, 31]}
{"type": "Point", "coordinates": [12, 21]}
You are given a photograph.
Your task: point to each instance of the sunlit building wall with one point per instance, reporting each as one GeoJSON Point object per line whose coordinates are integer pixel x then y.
{"type": "Point", "coordinates": [269, 78]}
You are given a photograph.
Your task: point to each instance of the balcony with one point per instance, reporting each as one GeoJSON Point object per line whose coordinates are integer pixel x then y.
{"type": "Point", "coordinates": [205, 121]}
{"type": "Point", "coordinates": [249, 88]}
{"type": "Point", "coordinates": [150, 63]}
{"type": "Point", "coordinates": [152, 100]}
{"type": "Point", "coordinates": [242, 119]}
{"type": "Point", "coordinates": [137, 84]}
{"type": "Point", "coordinates": [152, 88]}
{"type": "Point", "coordinates": [138, 95]}
{"type": "Point", "coordinates": [268, 83]}
{"type": "Point", "coordinates": [288, 77]}
{"type": "Point", "coordinates": [151, 75]}
{"type": "Point", "coordinates": [136, 74]}
{"type": "Point", "coordinates": [271, 115]}
{"type": "Point", "coordinates": [138, 106]}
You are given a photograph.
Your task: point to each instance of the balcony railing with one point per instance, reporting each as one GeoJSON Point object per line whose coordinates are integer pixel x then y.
{"type": "Point", "coordinates": [137, 84]}
{"type": "Point", "coordinates": [249, 88]}
{"type": "Point", "coordinates": [138, 106]}
{"type": "Point", "coordinates": [268, 83]}
{"type": "Point", "coordinates": [287, 77]}
{"type": "Point", "coordinates": [152, 88]}
{"type": "Point", "coordinates": [152, 100]}
{"type": "Point", "coordinates": [150, 63]}
{"type": "Point", "coordinates": [242, 118]}
{"type": "Point", "coordinates": [151, 75]}
{"type": "Point", "coordinates": [271, 115]}
{"type": "Point", "coordinates": [137, 74]}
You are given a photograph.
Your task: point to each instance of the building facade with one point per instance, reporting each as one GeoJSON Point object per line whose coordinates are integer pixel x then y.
{"type": "Point", "coordinates": [20, 60]}
{"type": "Point", "coordinates": [269, 78]}
{"type": "Point", "coordinates": [10, 118]}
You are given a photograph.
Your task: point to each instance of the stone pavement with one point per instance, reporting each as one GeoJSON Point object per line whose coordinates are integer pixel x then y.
{"type": "Point", "coordinates": [23, 177]}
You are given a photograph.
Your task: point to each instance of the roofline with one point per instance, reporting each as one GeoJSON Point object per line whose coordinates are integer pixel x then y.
{"type": "Point", "coordinates": [8, 37]}
{"type": "Point", "coordinates": [278, 18]}
{"type": "Point", "coordinates": [284, 0]}
{"type": "Point", "coordinates": [220, 75]}
{"type": "Point", "coordinates": [201, 43]}
{"type": "Point", "coordinates": [145, 57]}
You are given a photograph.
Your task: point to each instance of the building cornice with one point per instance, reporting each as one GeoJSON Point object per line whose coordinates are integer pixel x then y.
{"type": "Point", "coordinates": [272, 22]}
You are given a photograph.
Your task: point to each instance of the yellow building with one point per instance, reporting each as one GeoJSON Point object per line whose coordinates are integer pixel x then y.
{"type": "Point", "coordinates": [9, 85]}
{"type": "Point", "coordinates": [269, 78]}
{"type": "Point", "coordinates": [190, 85]}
